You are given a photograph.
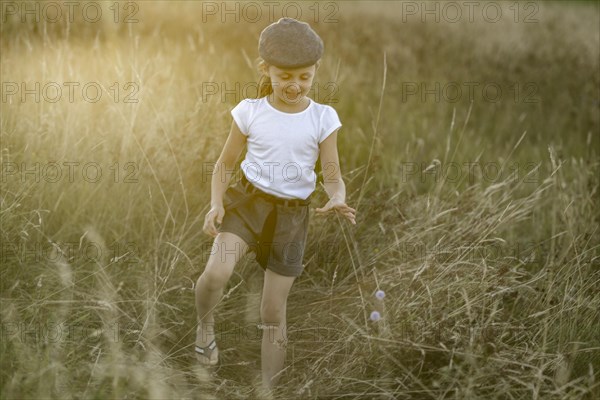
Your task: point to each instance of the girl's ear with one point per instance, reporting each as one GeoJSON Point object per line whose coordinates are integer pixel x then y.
{"type": "Point", "coordinates": [317, 65]}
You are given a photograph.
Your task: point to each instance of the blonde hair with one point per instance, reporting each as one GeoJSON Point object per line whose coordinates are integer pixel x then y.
{"type": "Point", "coordinates": [264, 83]}
{"type": "Point", "coordinates": [265, 87]}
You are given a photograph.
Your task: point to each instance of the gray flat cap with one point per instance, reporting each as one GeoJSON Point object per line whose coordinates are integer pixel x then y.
{"type": "Point", "coordinates": [289, 43]}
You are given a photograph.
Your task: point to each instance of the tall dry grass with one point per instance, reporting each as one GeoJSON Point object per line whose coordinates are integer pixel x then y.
{"type": "Point", "coordinates": [491, 285]}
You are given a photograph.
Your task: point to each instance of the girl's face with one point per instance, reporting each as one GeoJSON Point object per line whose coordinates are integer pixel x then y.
{"type": "Point", "coordinates": [291, 85]}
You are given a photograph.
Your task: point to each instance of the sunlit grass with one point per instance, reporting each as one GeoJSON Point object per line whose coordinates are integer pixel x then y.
{"type": "Point", "coordinates": [491, 285]}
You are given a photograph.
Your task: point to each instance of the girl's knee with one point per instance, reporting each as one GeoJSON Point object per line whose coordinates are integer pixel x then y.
{"type": "Point", "coordinates": [272, 313]}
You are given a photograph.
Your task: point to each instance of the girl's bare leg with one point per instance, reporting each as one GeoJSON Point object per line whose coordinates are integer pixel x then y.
{"type": "Point", "coordinates": [227, 250]}
{"type": "Point", "coordinates": [273, 315]}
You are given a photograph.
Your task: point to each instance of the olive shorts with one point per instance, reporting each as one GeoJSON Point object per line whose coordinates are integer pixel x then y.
{"type": "Point", "coordinates": [275, 232]}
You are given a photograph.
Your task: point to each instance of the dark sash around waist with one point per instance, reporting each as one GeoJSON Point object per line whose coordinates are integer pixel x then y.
{"type": "Point", "coordinates": [250, 188]}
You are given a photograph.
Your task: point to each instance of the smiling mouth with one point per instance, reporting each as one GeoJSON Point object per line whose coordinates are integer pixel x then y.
{"type": "Point", "coordinates": [292, 95]}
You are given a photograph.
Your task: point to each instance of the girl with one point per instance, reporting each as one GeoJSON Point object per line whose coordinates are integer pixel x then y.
{"type": "Point", "coordinates": [267, 211]}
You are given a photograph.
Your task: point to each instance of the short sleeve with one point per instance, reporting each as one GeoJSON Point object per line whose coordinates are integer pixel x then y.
{"type": "Point", "coordinates": [241, 115]}
{"type": "Point", "coordinates": [329, 123]}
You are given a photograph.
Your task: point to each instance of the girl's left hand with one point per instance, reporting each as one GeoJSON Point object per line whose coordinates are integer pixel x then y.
{"type": "Point", "coordinates": [340, 207]}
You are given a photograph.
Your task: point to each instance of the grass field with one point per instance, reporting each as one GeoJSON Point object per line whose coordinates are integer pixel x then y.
{"type": "Point", "coordinates": [469, 147]}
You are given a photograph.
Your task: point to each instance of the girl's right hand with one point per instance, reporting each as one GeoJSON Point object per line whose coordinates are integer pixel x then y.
{"type": "Point", "coordinates": [215, 213]}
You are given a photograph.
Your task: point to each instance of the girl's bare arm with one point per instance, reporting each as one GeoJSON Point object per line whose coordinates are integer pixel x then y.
{"type": "Point", "coordinates": [330, 166]}
{"type": "Point", "coordinates": [236, 141]}
{"type": "Point", "coordinates": [332, 180]}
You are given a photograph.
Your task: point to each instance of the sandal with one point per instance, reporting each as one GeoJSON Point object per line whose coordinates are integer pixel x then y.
{"type": "Point", "coordinates": [207, 352]}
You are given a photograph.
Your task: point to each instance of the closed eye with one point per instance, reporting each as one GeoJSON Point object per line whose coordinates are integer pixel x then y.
{"type": "Point", "coordinates": [286, 77]}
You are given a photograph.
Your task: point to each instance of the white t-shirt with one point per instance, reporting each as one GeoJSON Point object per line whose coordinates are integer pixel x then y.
{"type": "Point", "coordinates": [283, 147]}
